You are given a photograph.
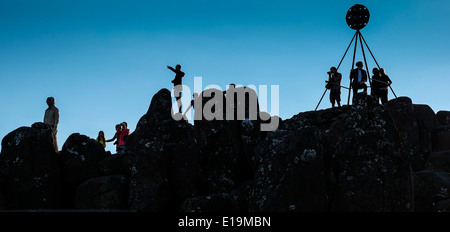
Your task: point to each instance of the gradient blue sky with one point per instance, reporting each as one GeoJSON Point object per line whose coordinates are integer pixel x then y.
{"type": "Point", "coordinates": [104, 60]}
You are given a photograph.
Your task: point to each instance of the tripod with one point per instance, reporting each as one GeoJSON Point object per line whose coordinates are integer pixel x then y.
{"type": "Point", "coordinates": [357, 36]}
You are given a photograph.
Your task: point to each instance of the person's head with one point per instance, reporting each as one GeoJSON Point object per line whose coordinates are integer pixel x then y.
{"type": "Point", "coordinates": [333, 69]}
{"type": "Point", "coordinates": [101, 134]}
{"type": "Point", "coordinates": [232, 85]}
{"type": "Point", "coordinates": [118, 127]}
{"type": "Point", "coordinates": [195, 95]}
{"type": "Point", "coordinates": [382, 71]}
{"type": "Point", "coordinates": [50, 101]}
{"type": "Point", "coordinates": [125, 125]}
{"type": "Point", "coordinates": [375, 71]}
{"type": "Point", "coordinates": [178, 67]}
{"type": "Point", "coordinates": [359, 64]}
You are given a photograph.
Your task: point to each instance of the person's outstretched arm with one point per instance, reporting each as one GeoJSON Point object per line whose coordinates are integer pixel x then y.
{"type": "Point", "coordinates": [173, 70]}
{"type": "Point", "coordinates": [113, 138]}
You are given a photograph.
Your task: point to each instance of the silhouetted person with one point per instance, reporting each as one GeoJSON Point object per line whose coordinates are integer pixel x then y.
{"type": "Point", "coordinates": [51, 118]}
{"type": "Point", "coordinates": [334, 82]}
{"type": "Point", "coordinates": [123, 136]}
{"type": "Point", "coordinates": [358, 79]}
{"type": "Point", "coordinates": [177, 85]}
{"type": "Point", "coordinates": [101, 138]}
{"type": "Point", "coordinates": [374, 91]}
{"type": "Point", "coordinates": [384, 82]}
{"type": "Point", "coordinates": [116, 137]}
{"type": "Point", "coordinates": [194, 98]}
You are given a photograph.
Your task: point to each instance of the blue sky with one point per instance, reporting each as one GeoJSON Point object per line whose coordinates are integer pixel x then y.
{"type": "Point", "coordinates": [104, 60]}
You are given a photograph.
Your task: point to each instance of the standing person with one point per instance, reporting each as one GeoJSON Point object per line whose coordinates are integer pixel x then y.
{"type": "Point", "coordinates": [177, 85]}
{"type": "Point", "coordinates": [194, 96]}
{"type": "Point", "coordinates": [334, 82]}
{"type": "Point", "coordinates": [116, 137]}
{"type": "Point", "coordinates": [385, 82]}
{"type": "Point", "coordinates": [101, 138]}
{"type": "Point", "coordinates": [374, 91]}
{"type": "Point", "coordinates": [123, 136]}
{"type": "Point", "coordinates": [358, 79]}
{"type": "Point", "coordinates": [51, 118]}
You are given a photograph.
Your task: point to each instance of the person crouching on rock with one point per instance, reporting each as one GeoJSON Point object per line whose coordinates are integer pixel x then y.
{"type": "Point", "coordinates": [334, 81]}
{"type": "Point", "coordinates": [358, 79]}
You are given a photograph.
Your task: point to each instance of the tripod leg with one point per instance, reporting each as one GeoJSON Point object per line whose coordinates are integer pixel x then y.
{"type": "Point", "coordinates": [375, 60]}
{"type": "Point", "coordinates": [370, 51]}
{"type": "Point", "coordinates": [365, 60]}
{"type": "Point", "coordinates": [353, 65]}
{"type": "Point", "coordinates": [346, 51]}
{"type": "Point", "coordinates": [321, 99]}
{"type": "Point", "coordinates": [393, 91]}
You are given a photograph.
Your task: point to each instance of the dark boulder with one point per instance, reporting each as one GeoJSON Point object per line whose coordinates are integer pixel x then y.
{"type": "Point", "coordinates": [439, 161]}
{"type": "Point", "coordinates": [80, 157]}
{"type": "Point", "coordinates": [222, 202]}
{"type": "Point", "coordinates": [104, 192]}
{"type": "Point", "coordinates": [441, 138]}
{"type": "Point", "coordinates": [443, 117]}
{"type": "Point", "coordinates": [2, 201]}
{"type": "Point", "coordinates": [227, 146]}
{"type": "Point", "coordinates": [115, 164]}
{"type": "Point", "coordinates": [164, 159]}
{"type": "Point", "coordinates": [426, 123]}
{"type": "Point", "coordinates": [30, 176]}
{"type": "Point", "coordinates": [344, 159]}
{"type": "Point", "coordinates": [430, 187]}
{"type": "Point", "coordinates": [442, 206]}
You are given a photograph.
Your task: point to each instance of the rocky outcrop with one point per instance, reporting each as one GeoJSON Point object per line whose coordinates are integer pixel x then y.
{"type": "Point", "coordinates": [426, 123]}
{"type": "Point", "coordinates": [30, 176]}
{"type": "Point", "coordinates": [227, 146]}
{"type": "Point", "coordinates": [364, 157]}
{"type": "Point", "coordinates": [164, 159]}
{"type": "Point", "coordinates": [346, 159]}
{"type": "Point", "coordinates": [80, 157]}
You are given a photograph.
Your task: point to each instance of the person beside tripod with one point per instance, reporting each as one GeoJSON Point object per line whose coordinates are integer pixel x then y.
{"type": "Point", "coordinates": [334, 85]}
{"type": "Point", "coordinates": [380, 84]}
{"type": "Point", "coordinates": [358, 79]}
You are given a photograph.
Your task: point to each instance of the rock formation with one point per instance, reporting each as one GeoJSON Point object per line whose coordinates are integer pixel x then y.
{"type": "Point", "coordinates": [364, 157]}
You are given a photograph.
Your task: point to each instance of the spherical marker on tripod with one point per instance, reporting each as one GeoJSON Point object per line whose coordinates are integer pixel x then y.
{"type": "Point", "coordinates": [357, 17]}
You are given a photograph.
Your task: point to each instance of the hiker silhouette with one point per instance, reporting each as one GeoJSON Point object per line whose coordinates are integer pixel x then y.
{"type": "Point", "coordinates": [177, 84]}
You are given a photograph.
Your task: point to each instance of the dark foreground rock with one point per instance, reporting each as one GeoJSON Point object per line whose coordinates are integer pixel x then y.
{"type": "Point", "coordinates": [347, 159]}
{"type": "Point", "coordinates": [80, 157]}
{"type": "Point", "coordinates": [443, 117]}
{"type": "Point", "coordinates": [364, 157]}
{"type": "Point", "coordinates": [212, 203]}
{"type": "Point", "coordinates": [164, 159]}
{"type": "Point", "coordinates": [439, 161]}
{"type": "Point", "coordinates": [430, 188]}
{"type": "Point", "coordinates": [30, 176]}
{"type": "Point", "coordinates": [105, 192]}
